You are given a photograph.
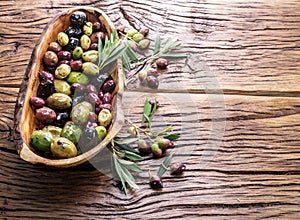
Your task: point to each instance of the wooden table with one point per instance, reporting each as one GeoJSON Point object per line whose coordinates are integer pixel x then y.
{"type": "Point", "coordinates": [244, 162]}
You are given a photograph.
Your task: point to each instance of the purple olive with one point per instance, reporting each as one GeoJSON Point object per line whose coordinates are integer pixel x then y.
{"type": "Point", "coordinates": [103, 106]}
{"type": "Point", "coordinates": [37, 102]}
{"type": "Point", "coordinates": [63, 62]}
{"type": "Point", "coordinates": [45, 89]}
{"type": "Point", "coordinates": [45, 115]}
{"type": "Point", "coordinates": [97, 26]}
{"type": "Point", "coordinates": [77, 88]}
{"type": "Point", "coordinates": [91, 124]}
{"type": "Point", "coordinates": [93, 98]}
{"type": "Point", "coordinates": [100, 95]}
{"type": "Point", "coordinates": [76, 64]}
{"type": "Point", "coordinates": [156, 182]}
{"type": "Point", "coordinates": [50, 69]}
{"type": "Point", "coordinates": [109, 86]}
{"type": "Point", "coordinates": [45, 75]}
{"type": "Point", "coordinates": [152, 101]}
{"type": "Point", "coordinates": [78, 99]}
{"type": "Point", "coordinates": [152, 72]}
{"type": "Point", "coordinates": [152, 82]}
{"type": "Point", "coordinates": [92, 117]}
{"type": "Point", "coordinates": [94, 46]}
{"type": "Point", "coordinates": [64, 55]}
{"type": "Point", "coordinates": [177, 168]}
{"type": "Point", "coordinates": [143, 147]}
{"type": "Point", "coordinates": [107, 98]}
{"type": "Point", "coordinates": [91, 88]}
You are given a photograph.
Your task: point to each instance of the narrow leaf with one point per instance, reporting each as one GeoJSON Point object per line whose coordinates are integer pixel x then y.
{"type": "Point", "coordinates": [134, 168]}
{"type": "Point", "coordinates": [122, 135]}
{"type": "Point", "coordinates": [172, 137]}
{"type": "Point", "coordinates": [113, 36]}
{"type": "Point", "coordinates": [129, 178]}
{"type": "Point", "coordinates": [147, 110]}
{"type": "Point", "coordinates": [127, 147]}
{"type": "Point", "coordinates": [163, 131]}
{"type": "Point", "coordinates": [131, 54]}
{"type": "Point", "coordinates": [120, 173]}
{"type": "Point", "coordinates": [133, 156]}
{"type": "Point", "coordinates": [157, 44]}
{"type": "Point", "coordinates": [115, 54]}
{"type": "Point", "coordinates": [164, 165]}
{"type": "Point", "coordinates": [126, 61]}
{"type": "Point", "coordinates": [99, 50]}
{"type": "Point", "coordinates": [152, 113]}
{"type": "Point", "coordinates": [126, 141]}
{"type": "Point", "coordinates": [125, 162]}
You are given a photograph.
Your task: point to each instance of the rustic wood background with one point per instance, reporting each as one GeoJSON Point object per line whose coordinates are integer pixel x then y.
{"type": "Point", "coordinates": [251, 48]}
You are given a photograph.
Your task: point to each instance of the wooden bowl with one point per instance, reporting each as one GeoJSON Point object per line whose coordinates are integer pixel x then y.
{"type": "Point", "coordinates": [24, 121]}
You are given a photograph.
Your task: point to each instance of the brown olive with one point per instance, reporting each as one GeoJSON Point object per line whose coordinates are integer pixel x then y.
{"type": "Point", "coordinates": [55, 47]}
{"type": "Point", "coordinates": [144, 31]}
{"type": "Point", "coordinates": [45, 115]}
{"type": "Point", "coordinates": [152, 82]}
{"type": "Point", "coordinates": [50, 58]}
{"type": "Point", "coordinates": [77, 88]}
{"type": "Point", "coordinates": [162, 63]}
{"type": "Point", "coordinates": [96, 35]}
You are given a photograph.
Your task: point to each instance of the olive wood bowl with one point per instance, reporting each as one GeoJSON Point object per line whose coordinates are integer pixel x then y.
{"type": "Point", "coordinates": [24, 121]}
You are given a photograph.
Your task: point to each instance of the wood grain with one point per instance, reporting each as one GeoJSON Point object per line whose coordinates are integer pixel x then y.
{"type": "Point", "coordinates": [235, 102]}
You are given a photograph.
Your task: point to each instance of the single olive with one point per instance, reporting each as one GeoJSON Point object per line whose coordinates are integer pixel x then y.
{"type": "Point", "coordinates": [78, 99]}
{"type": "Point", "coordinates": [50, 69]}
{"type": "Point", "coordinates": [72, 132]}
{"type": "Point", "coordinates": [93, 98]}
{"type": "Point", "coordinates": [45, 75]}
{"type": "Point", "coordinates": [144, 44]}
{"type": "Point", "coordinates": [78, 88]}
{"type": "Point", "coordinates": [63, 39]}
{"type": "Point", "coordinates": [90, 68]}
{"type": "Point", "coordinates": [90, 56]}
{"type": "Point", "coordinates": [78, 18]}
{"type": "Point", "coordinates": [85, 42]}
{"type": "Point", "coordinates": [142, 75]}
{"type": "Point", "coordinates": [63, 148]}
{"type": "Point", "coordinates": [62, 71]}
{"type": "Point", "coordinates": [62, 86]}
{"type": "Point", "coordinates": [59, 101]}
{"type": "Point", "coordinates": [101, 131]}
{"type": "Point", "coordinates": [156, 182]}
{"type": "Point", "coordinates": [144, 31]}
{"type": "Point", "coordinates": [63, 62]}
{"type": "Point", "coordinates": [91, 88]}
{"type": "Point", "coordinates": [45, 115]}
{"type": "Point", "coordinates": [152, 82]}
{"type": "Point", "coordinates": [61, 119]}
{"type": "Point", "coordinates": [88, 28]}
{"type": "Point", "coordinates": [41, 140]}
{"type": "Point", "coordinates": [132, 131]}
{"type": "Point", "coordinates": [73, 43]}
{"type": "Point", "coordinates": [97, 26]}
{"type": "Point", "coordinates": [80, 112]}
{"type": "Point", "coordinates": [143, 147]}
{"type": "Point", "coordinates": [132, 45]}
{"type": "Point", "coordinates": [37, 102]}
{"type": "Point", "coordinates": [131, 32]}
{"type": "Point", "coordinates": [152, 102]}
{"type": "Point", "coordinates": [100, 95]}
{"type": "Point", "coordinates": [152, 72]}
{"type": "Point", "coordinates": [88, 139]}
{"type": "Point", "coordinates": [107, 98]}
{"type": "Point", "coordinates": [162, 63]}
{"type": "Point", "coordinates": [55, 47]}
{"type": "Point", "coordinates": [164, 143]}
{"type": "Point", "coordinates": [92, 117]}
{"type": "Point", "coordinates": [77, 77]}
{"type": "Point", "coordinates": [109, 86]}
{"type": "Point", "coordinates": [76, 65]}
{"type": "Point", "coordinates": [156, 151]}
{"type": "Point", "coordinates": [50, 58]}
{"type": "Point", "coordinates": [101, 79]}
{"type": "Point", "coordinates": [95, 36]}
{"type": "Point", "coordinates": [45, 89]}
{"type": "Point", "coordinates": [77, 53]}
{"type": "Point", "coordinates": [104, 117]}
{"type": "Point", "coordinates": [74, 32]}
{"type": "Point", "coordinates": [177, 168]}
{"type": "Point", "coordinates": [54, 130]}
{"type": "Point", "coordinates": [94, 46]}
{"type": "Point", "coordinates": [138, 37]}
{"type": "Point", "coordinates": [104, 106]}
{"type": "Point", "coordinates": [64, 55]}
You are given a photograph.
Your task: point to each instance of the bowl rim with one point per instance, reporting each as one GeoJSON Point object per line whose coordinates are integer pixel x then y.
{"type": "Point", "coordinates": [22, 148]}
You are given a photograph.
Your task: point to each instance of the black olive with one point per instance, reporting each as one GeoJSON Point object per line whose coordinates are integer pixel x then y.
{"type": "Point", "coordinates": [88, 139]}
{"type": "Point", "coordinates": [45, 89]}
{"type": "Point", "coordinates": [61, 119]}
{"type": "Point", "coordinates": [77, 99]}
{"type": "Point", "coordinates": [78, 18]}
{"type": "Point", "coordinates": [73, 43]}
{"type": "Point", "coordinates": [74, 32]}
{"type": "Point", "coordinates": [100, 80]}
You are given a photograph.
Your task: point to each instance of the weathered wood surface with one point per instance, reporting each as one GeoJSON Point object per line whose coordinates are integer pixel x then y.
{"type": "Point", "coordinates": [248, 50]}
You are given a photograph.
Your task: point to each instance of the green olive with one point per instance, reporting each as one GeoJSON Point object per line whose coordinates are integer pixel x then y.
{"type": "Point", "coordinates": [72, 132]}
{"type": "Point", "coordinates": [54, 130]}
{"type": "Point", "coordinates": [88, 28]}
{"type": "Point", "coordinates": [137, 37]}
{"type": "Point", "coordinates": [80, 113]}
{"type": "Point", "coordinates": [59, 101]}
{"type": "Point", "coordinates": [63, 39]}
{"type": "Point", "coordinates": [104, 117]}
{"type": "Point", "coordinates": [41, 140]}
{"type": "Point", "coordinates": [63, 148]}
{"type": "Point", "coordinates": [101, 131]}
{"type": "Point", "coordinates": [85, 42]}
{"type": "Point", "coordinates": [90, 68]}
{"type": "Point", "coordinates": [77, 77]}
{"type": "Point", "coordinates": [62, 71]}
{"type": "Point", "coordinates": [62, 86]}
{"type": "Point", "coordinates": [131, 32]}
{"type": "Point", "coordinates": [77, 53]}
{"type": "Point", "coordinates": [90, 56]}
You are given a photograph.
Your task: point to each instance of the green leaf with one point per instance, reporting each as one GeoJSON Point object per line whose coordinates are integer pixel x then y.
{"type": "Point", "coordinates": [114, 55]}
{"type": "Point", "coordinates": [157, 44]}
{"type": "Point", "coordinates": [99, 50]}
{"type": "Point", "coordinates": [113, 37]}
{"type": "Point", "coordinates": [126, 141]}
{"type": "Point", "coordinates": [133, 156]}
{"type": "Point", "coordinates": [147, 110]}
{"type": "Point", "coordinates": [122, 135]}
{"type": "Point", "coordinates": [129, 178]}
{"type": "Point", "coordinates": [131, 54]}
{"type": "Point", "coordinates": [119, 172]}
{"type": "Point", "coordinates": [106, 44]}
{"type": "Point", "coordinates": [164, 165]}
{"type": "Point", "coordinates": [163, 131]}
{"type": "Point", "coordinates": [152, 112]}
{"type": "Point", "coordinates": [126, 61]}
{"type": "Point", "coordinates": [127, 147]}
{"type": "Point", "coordinates": [130, 165]}
{"type": "Point", "coordinates": [172, 137]}
{"type": "Point", "coordinates": [174, 55]}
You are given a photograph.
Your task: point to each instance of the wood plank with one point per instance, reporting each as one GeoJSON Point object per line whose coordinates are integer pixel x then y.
{"type": "Point", "coordinates": [247, 48]}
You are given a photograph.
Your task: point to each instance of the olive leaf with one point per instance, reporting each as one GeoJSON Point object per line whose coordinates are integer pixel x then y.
{"type": "Point", "coordinates": [172, 137]}
{"type": "Point", "coordinates": [164, 165]}
{"type": "Point", "coordinates": [152, 113]}
{"type": "Point", "coordinates": [126, 140]}
{"type": "Point", "coordinates": [128, 148]}
{"type": "Point", "coordinates": [133, 156]}
{"type": "Point", "coordinates": [131, 54]}
{"type": "Point", "coordinates": [147, 110]}
{"type": "Point", "coordinates": [156, 44]}
{"type": "Point", "coordinates": [126, 61]}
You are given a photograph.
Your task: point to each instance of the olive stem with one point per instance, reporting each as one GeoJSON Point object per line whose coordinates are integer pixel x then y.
{"type": "Point", "coordinates": [138, 128]}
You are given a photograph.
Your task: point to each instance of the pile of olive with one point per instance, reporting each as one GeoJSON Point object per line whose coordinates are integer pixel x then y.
{"type": "Point", "coordinates": [74, 101]}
